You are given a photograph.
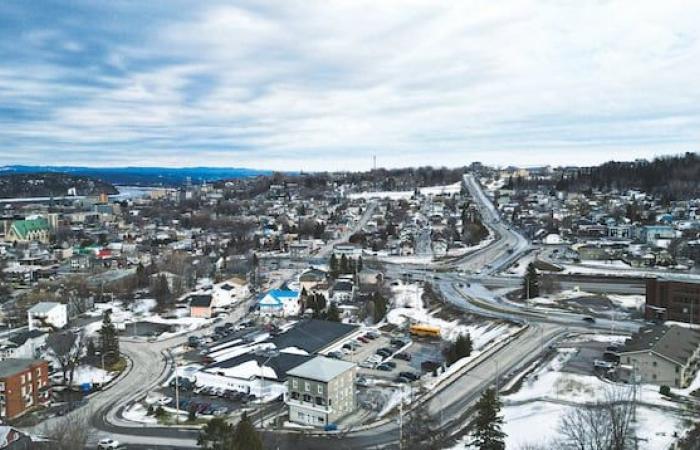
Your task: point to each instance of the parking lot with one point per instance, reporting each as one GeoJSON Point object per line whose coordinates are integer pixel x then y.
{"type": "Point", "coordinates": [402, 354]}
{"type": "Point", "coordinates": [203, 403]}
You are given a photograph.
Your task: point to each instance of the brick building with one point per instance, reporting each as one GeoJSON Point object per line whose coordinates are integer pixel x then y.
{"type": "Point", "coordinates": [24, 384]}
{"type": "Point", "coordinates": [676, 299]}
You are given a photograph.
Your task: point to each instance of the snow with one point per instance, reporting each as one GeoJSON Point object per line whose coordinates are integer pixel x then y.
{"type": "Point", "coordinates": [635, 302]}
{"type": "Point", "coordinates": [408, 308]}
{"type": "Point", "coordinates": [137, 413]}
{"type": "Point", "coordinates": [397, 396]}
{"type": "Point", "coordinates": [405, 195]}
{"type": "Point", "coordinates": [247, 370]}
{"type": "Point", "coordinates": [92, 375]}
{"type": "Point", "coordinates": [549, 383]}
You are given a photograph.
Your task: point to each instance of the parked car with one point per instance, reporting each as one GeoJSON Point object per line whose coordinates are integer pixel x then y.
{"type": "Point", "coordinates": [363, 339]}
{"type": "Point", "coordinates": [374, 358]}
{"type": "Point", "coordinates": [372, 334]}
{"type": "Point", "coordinates": [398, 343]}
{"type": "Point", "coordinates": [391, 364]}
{"type": "Point", "coordinates": [383, 353]}
{"type": "Point", "coordinates": [401, 379]}
{"type": "Point", "coordinates": [336, 354]}
{"type": "Point", "coordinates": [403, 356]}
{"type": "Point", "coordinates": [384, 368]}
{"type": "Point", "coordinates": [410, 375]}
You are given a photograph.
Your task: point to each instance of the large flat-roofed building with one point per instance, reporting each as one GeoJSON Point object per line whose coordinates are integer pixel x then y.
{"type": "Point", "coordinates": [24, 384]}
{"type": "Point", "coordinates": [673, 298]}
{"type": "Point", "coordinates": [662, 355]}
{"type": "Point", "coordinates": [321, 391]}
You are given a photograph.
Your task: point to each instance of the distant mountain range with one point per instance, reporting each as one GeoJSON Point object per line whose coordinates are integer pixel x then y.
{"type": "Point", "coordinates": [141, 176]}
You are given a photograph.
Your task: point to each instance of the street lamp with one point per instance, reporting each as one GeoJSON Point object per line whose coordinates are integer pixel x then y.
{"type": "Point", "coordinates": [270, 354]}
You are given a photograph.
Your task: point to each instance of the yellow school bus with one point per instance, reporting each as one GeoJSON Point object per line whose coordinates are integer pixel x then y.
{"type": "Point", "coordinates": [425, 330]}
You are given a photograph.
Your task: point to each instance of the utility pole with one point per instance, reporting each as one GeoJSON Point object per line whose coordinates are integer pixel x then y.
{"type": "Point", "coordinates": [177, 392]}
{"type": "Point", "coordinates": [401, 423]}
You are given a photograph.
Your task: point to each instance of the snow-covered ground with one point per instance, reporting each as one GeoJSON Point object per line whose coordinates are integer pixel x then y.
{"type": "Point", "coordinates": [408, 308]}
{"type": "Point", "coordinates": [626, 301]}
{"type": "Point", "coordinates": [399, 195]}
{"type": "Point", "coordinates": [92, 375]}
{"type": "Point", "coordinates": [531, 415]}
{"type": "Point", "coordinates": [137, 413]}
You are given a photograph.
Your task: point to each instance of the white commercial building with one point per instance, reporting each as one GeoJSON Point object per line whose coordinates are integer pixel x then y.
{"type": "Point", "coordinates": [47, 316]}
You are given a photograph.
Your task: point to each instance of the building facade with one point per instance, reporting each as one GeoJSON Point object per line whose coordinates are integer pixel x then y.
{"type": "Point", "coordinates": [673, 299]}
{"type": "Point", "coordinates": [662, 355]}
{"type": "Point", "coordinates": [321, 391]}
{"type": "Point", "coordinates": [24, 384]}
{"type": "Point", "coordinates": [47, 316]}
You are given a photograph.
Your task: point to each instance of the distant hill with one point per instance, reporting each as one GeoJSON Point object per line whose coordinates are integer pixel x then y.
{"type": "Point", "coordinates": [669, 177]}
{"type": "Point", "coordinates": [143, 176]}
{"type": "Point", "coordinates": [15, 185]}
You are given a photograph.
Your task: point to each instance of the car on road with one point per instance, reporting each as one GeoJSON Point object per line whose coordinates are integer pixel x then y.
{"type": "Point", "coordinates": [109, 444]}
{"type": "Point", "coordinates": [401, 379]}
{"type": "Point", "coordinates": [589, 319]}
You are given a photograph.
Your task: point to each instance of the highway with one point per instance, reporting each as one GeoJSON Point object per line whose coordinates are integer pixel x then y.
{"type": "Point", "coordinates": [462, 283]}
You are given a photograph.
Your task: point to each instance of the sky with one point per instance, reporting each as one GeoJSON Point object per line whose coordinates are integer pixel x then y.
{"type": "Point", "coordinates": [328, 85]}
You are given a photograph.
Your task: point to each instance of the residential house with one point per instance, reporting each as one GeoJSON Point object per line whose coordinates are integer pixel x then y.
{"type": "Point", "coordinates": [201, 306]}
{"type": "Point", "coordinates": [280, 303]}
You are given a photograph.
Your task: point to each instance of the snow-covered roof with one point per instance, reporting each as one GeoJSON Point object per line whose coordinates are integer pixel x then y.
{"type": "Point", "coordinates": [321, 369]}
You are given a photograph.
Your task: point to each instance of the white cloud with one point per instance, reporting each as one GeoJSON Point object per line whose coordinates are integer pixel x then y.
{"type": "Point", "coordinates": [325, 85]}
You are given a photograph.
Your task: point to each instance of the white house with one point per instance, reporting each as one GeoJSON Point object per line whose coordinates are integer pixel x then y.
{"type": "Point", "coordinates": [280, 303]}
{"type": "Point", "coordinates": [47, 315]}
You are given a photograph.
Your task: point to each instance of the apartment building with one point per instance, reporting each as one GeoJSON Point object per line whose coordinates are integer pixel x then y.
{"type": "Point", "coordinates": [673, 298]}
{"type": "Point", "coordinates": [662, 355]}
{"type": "Point", "coordinates": [24, 384]}
{"type": "Point", "coordinates": [321, 391]}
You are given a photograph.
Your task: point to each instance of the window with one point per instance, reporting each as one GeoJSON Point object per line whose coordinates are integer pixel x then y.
{"type": "Point", "coordinates": [319, 401]}
{"type": "Point", "coordinates": [295, 383]}
{"type": "Point", "coordinates": [653, 363]}
{"type": "Point", "coordinates": [295, 395]}
{"type": "Point", "coordinates": [307, 398]}
{"type": "Point", "coordinates": [321, 419]}
{"type": "Point", "coordinates": [320, 389]}
{"type": "Point", "coordinates": [307, 386]}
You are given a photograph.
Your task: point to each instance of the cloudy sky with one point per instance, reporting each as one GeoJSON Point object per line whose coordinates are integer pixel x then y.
{"type": "Point", "coordinates": [327, 85]}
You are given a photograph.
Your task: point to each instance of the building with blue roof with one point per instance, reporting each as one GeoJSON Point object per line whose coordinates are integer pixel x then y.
{"type": "Point", "coordinates": [280, 303]}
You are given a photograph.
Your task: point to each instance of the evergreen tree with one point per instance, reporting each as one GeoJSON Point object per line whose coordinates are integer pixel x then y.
{"type": "Point", "coordinates": [343, 268]}
{"type": "Point", "coordinates": [487, 433]}
{"type": "Point", "coordinates": [334, 266]}
{"type": "Point", "coordinates": [359, 264]}
{"type": "Point", "coordinates": [161, 291]}
{"type": "Point", "coordinates": [91, 349]}
{"type": "Point", "coordinates": [109, 340]}
{"type": "Point", "coordinates": [380, 307]}
{"type": "Point", "coordinates": [216, 435]}
{"type": "Point", "coordinates": [141, 276]}
{"type": "Point", "coordinates": [246, 437]}
{"type": "Point", "coordinates": [333, 313]}
{"type": "Point", "coordinates": [531, 282]}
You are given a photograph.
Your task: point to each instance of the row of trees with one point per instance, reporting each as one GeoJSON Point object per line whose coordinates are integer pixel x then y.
{"type": "Point", "coordinates": [217, 434]}
{"type": "Point", "coordinates": [319, 305]}
{"type": "Point", "coordinates": [461, 348]}
{"type": "Point", "coordinates": [345, 265]}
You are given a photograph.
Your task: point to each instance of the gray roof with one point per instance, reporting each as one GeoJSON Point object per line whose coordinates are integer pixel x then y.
{"type": "Point", "coordinates": [321, 369]}
{"type": "Point", "coordinates": [675, 342]}
{"type": "Point", "coordinates": [281, 363]}
{"type": "Point", "coordinates": [313, 335]}
{"type": "Point", "coordinates": [12, 366]}
{"type": "Point", "coordinates": [43, 307]}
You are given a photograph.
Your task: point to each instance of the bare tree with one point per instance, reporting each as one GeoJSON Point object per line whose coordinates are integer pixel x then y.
{"type": "Point", "coordinates": [604, 425]}
{"type": "Point", "coordinates": [67, 433]}
{"type": "Point", "coordinates": [66, 348]}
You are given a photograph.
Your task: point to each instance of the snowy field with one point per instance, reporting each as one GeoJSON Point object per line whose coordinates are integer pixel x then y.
{"type": "Point", "coordinates": [532, 414]}
{"type": "Point", "coordinates": [626, 301]}
{"type": "Point", "coordinates": [405, 195]}
{"type": "Point", "coordinates": [141, 311]}
{"type": "Point", "coordinates": [408, 308]}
